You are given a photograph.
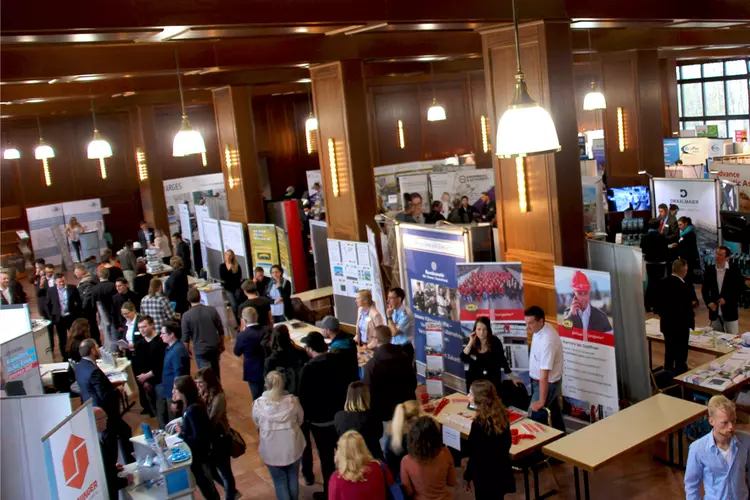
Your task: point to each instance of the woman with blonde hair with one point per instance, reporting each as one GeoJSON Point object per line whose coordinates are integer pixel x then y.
{"type": "Point", "coordinates": [278, 416]}
{"type": "Point", "coordinates": [357, 416]}
{"type": "Point", "coordinates": [357, 475]}
{"type": "Point", "coordinates": [368, 317]}
{"type": "Point", "coordinates": [156, 305]}
{"type": "Point", "coordinates": [161, 242]}
{"type": "Point", "coordinates": [230, 274]}
{"type": "Point", "coordinates": [73, 231]}
{"type": "Point", "coordinates": [489, 466]}
{"type": "Point", "coordinates": [394, 448]}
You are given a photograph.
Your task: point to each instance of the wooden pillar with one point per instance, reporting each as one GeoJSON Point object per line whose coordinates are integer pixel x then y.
{"type": "Point", "coordinates": [148, 167]}
{"type": "Point", "coordinates": [239, 154]}
{"type": "Point", "coordinates": [341, 108]}
{"type": "Point", "coordinates": [670, 120]}
{"type": "Point", "coordinates": [551, 232]}
{"type": "Point", "coordinates": [632, 82]}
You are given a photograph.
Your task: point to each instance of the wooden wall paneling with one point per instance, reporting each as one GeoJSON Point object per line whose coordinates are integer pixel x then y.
{"type": "Point", "coordinates": [478, 102]}
{"type": "Point", "coordinates": [669, 109]}
{"type": "Point", "coordinates": [390, 104]}
{"type": "Point", "coordinates": [649, 114]}
{"type": "Point", "coordinates": [453, 135]}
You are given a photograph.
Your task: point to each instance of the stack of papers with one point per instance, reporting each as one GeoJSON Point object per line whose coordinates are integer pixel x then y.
{"type": "Point", "coordinates": [721, 374]}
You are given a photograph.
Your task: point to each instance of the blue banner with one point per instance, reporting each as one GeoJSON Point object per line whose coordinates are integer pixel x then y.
{"type": "Point", "coordinates": [671, 151]}
{"type": "Point", "coordinates": [432, 284]}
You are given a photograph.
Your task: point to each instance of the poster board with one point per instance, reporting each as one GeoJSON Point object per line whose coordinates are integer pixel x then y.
{"type": "Point", "coordinates": [192, 191]}
{"type": "Point", "coordinates": [186, 229]}
{"type": "Point", "coordinates": [451, 185]}
{"type": "Point", "coordinates": [737, 173]}
{"type": "Point", "coordinates": [201, 212]}
{"type": "Point", "coordinates": [589, 383]}
{"type": "Point", "coordinates": [214, 250]}
{"type": "Point", "coordinates": [233, 238]}
{"type": "Point", "coordinates": [264, 247]}
{"type": "Point", "coordinates": [285, 258]}
{"type": "Point", "coordinates": [319, 243]}
{"type": "Point", "coordinates": [46, 226]}
{"type": "Point", "coordinates": [428, 264]}
{"type": "Point", "coordinates": [25, 421]}
{"type": "Point", "coordinates": [351, 270]}
{"type": "Point", "coordinates": [593, 204]}
{"type": "Point", "coordinates": [20, 365]}
{"type": "Point", "coordinates": [73, 458]}
{"type": "Point", "coordinates": [416, 184]}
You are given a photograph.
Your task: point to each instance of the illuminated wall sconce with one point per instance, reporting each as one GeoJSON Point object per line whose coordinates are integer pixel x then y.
{"type": "Point", "coordinates": [140, 161]}
{"type": "Point", "coordinates": [204, 160]}
{"type": "Point", "coordinates": [102, 168]}
{"type": "Point", "coordinates": [523, 203]}
{"type": "Point", "coordinates": [401, 140]}
{"type": "Point", "coordinates": [232, 161]}
{"type": "Point", "coordinates": [485, 139]}
{"type": "Point", "coordinates": [47, 177]}
{"type": "Point", "coordinates": [332, 165]}
{"type": "Point", "coordinates": [621, 128]}
{"type": "Point", "coordinates": [311, 130]}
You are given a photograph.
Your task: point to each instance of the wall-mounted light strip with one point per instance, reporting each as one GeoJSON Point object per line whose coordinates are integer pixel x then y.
{"type": "Point", "coordinates": [47, 177]}
{"type": "Point", "coordinates": [333, 166]}
{"type": "Point", "coordinates": [621, 128]}
{"type": "Point", "coordinates": [485, 134]}
{"type": "Point", "coordinates": [523, 203]}
{"type": "Point", "coordinates": [140, 160]}
{"type": "Point", "coordinates": [204, 160]}
{"type": "Point", "coordinates": [229, 162]}
{"type": "Point", "coordinates": [102, 168]}
{"type": "Point", "coordinates": [401, 140]}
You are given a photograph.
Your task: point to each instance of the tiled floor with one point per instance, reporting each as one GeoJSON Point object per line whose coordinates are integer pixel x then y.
{"type": "Point", "coordinates": [635, 476]}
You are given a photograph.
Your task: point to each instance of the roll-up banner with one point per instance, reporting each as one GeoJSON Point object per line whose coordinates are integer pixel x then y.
{"type": "Point", "coordinates": [584, 319]}
{"type": "Point", "coordinates": [201, 212]}
{"type": "Point", "coordinates": [214, 250]}
{"type": "Point", "coordinates": [319, 243]}
{"type": "Point", "coordinates": [737, 173]}
{"type": "Point", "coordinates": [429, 262]}
{"type": "Point", "coordinates": [233, 238]}
{"type": "Point", "coordinates": [697, 199]}
{"type": "Point", "coordinates": [264, 247]}
{"type": "Point", "coordinates": [285, 258]}
{"type": "Point", "coordinates": [20, 365]}
{"type": "Point", "coordinates": [378, 292]}
{"type": "Point", "coordinates": [47, 229]}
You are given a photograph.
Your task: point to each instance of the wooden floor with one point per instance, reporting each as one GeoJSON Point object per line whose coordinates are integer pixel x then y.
{"type": "Point", "coordinates": [636, 476]}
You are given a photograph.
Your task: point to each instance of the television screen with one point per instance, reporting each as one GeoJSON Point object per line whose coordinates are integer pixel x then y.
{"type": "Point", "coordinates": [629, 198]}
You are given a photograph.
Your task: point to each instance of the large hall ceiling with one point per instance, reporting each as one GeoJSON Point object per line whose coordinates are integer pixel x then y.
{"type": "Point", "coordinates": [56, 56]}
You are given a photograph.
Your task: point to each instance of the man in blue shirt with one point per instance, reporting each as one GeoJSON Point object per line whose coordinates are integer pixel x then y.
{"type": "Point", "coordinates": [400, 321]}
{"type": "Point", "coordinates": [176, 363]}
{"type": "Point", "coordinates": [720, 459]}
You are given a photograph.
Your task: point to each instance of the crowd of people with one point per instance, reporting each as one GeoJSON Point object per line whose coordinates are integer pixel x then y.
{"type": "Point", "coordinates": [460, 210]}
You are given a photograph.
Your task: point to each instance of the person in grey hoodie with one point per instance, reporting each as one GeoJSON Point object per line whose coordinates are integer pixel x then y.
{"type": "Point", "coordinates": [278, 416]}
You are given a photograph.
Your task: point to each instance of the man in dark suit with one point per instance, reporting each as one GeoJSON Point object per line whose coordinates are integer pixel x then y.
{"type": "Point", "coordinates": [182, 250]}
{"type": "Point", "coordinates": [102, 294]}
{"type": "Point", "coordinates": [10, 290]}
{"type": "Point", "coordinates": [202, 326]}
{"type": "Point", "coordinates": [95, 385]}
{"type": "Point", "coordinates": [145, 235]}
{"type": "Point", "coordinates": [656, 255]}
{"type": "Point", "coordinates": [723, 285]}
{"type": "Point", "coordinates": [109, 457]}
{"type": "Point", "coordinates": [63, 307]}
{"type": "Point", "coordinates": [390, 375]}
{"type": "Point", "coordinates": [250, 345]}
{"type": "Point", "coordinates": [581, 313]}
{"type": "Point", "coordinates": [675, 308]}
{"type": "Point", "coordinates": [44, 278]}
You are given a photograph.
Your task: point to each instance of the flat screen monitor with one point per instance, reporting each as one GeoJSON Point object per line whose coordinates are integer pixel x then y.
{"type": "Point", "coordinates": [634, 198]}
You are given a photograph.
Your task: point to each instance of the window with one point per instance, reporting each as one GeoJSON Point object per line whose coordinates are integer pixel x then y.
{"type": "Point", "coordinates": [714, 93]}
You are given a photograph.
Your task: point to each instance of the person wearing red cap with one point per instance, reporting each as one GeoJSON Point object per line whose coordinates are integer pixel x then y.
{"type": "Point", "coordinates": [583, 315]}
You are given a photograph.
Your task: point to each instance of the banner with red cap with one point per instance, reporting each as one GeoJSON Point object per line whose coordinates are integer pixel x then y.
{"type": "Point", "coordinates": [584, 323]}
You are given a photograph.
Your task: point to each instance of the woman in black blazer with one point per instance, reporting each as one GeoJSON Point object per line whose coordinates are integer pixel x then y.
{"type": "Point", "coordinates": [485, 355]}
{"type": "Point", "coordinates": [176, 287]}
{"type": "Point", "coordinates": [489, 466]}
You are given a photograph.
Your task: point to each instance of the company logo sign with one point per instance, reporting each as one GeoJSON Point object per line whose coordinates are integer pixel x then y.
{"type": "Point", "coordinates": [75, 462]}
{"type": "Point", "coordinates": [683, 193]}
{"type": "Point", "coordinates": [433, 266]}
{"type": "Point", "coordinates": [177, 186]}
{"type": "Point", "coordinates": [691, 149]}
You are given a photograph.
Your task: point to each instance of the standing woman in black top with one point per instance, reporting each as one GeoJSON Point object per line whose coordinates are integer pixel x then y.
{"type": "Point", "coordinates": [489, 465]}
{"type": "Point", "coordinates": [357, 416]}
{"type": "Point", "coordinates": [176, 287]}
{"type": "Point", "coordinates": [485, 356]}
{"type": "Point", "coordinates": [196, 430]}
{"type": "Point", "coordinates": [687, 248]}
{"type": "Point", "coordinates": [230, 273]}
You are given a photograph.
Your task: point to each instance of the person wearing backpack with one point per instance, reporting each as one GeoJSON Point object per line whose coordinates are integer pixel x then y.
{"type": "Point", "coordinates": [288, 359]}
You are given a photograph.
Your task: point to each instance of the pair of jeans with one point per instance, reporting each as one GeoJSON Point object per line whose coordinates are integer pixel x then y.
{"type": "Point", "coordinates": [209, 360]}
{"type": "Point", "coordinates": [77, 248]}
{"type": "Point", "coordinates": [552, 402]}
{"type": "Point", "coordinates": [201, 470]}
{"type": "Point", "coordinates": [222, 467]}
{"type": "Point", "coordinates": [325, 437]}
{"type": "Point", "coordinates": [285, 480]}
{"type": "Point", "coordinates": [234, 304]}
{"type": "Point", "coordinates": [256, 388]}
{"type": "Point", "coordinates": [163, 412]}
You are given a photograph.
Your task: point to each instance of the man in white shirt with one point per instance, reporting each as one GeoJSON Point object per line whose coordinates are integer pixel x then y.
{"type": "Point", "coordinates": [545, 366]}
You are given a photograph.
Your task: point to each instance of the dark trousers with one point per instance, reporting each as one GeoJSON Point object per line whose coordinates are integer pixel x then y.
{"type": "Point", "coordinates": [201, 470]}
{"type": "Point", "coordinates": [325, 441]}
{"type": "Point", "coordinates": [147, 398]}
{"type": "Point", "coordinates": [166, 260]}
{"type": "Point", "coordinates": [307, 455]}
{"type": "Point", "coordinates": [221, 466]}
{"type": "Point", "coordinates": [51, 335]}
{"type": "Point", "coordinates": [676, 350]}
{"type": "Point", "coordinates": [62, 327]}
{"type": "Point", "coordinates": [77, 248]}
{"type": "Point", "coordinates": [118, 430]}
{"type": "Point", "coordinates": [209, 360]}
{"type": "Point", "coordinates": [163, 412]}
{"type": "Point", "coordinates": [256, 388]}
{"type": "Point", "coordinates": [654, 273]}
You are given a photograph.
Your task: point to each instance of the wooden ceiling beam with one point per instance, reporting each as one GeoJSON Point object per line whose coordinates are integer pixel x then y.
{"type": "Point", "coordinates": [611, 40]}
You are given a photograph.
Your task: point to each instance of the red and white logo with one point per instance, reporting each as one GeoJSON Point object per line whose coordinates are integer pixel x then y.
{"type": "Point", "coordinates": [75, 462]}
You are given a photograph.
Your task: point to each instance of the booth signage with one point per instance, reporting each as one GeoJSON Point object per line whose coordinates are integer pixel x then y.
{"type": "Point", "coordinates": [264, 247]}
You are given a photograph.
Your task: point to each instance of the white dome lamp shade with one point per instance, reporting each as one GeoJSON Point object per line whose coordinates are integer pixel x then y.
{"type": "Point", "coordinates": [43, 151]}
{"type": "Point", "coordinates": [99, 148]}
{"type": "Point", "coordinates": [11, 153]}
{"type": "Point", "coordinates": [436, 112]}
{"type": "Point", "coordinates": [311, 124]}
{"type": "Point", "coordinates": [187, 141]}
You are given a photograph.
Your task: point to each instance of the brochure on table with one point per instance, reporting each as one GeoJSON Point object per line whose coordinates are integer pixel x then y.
{"type": "Point", "coordinates": [264, 246]}
{"type": "Point", "coordinates": [720, 374]}
{"type": "Point", "coordinates": [353, 269]}
{"type": "Point", "coordinates": [201, 212]}
{"type": "Point", "coordinates": [428, 266]}
{"type": "Point", "coordinates": [73, 458]}
{"type": "Point", "coordinates": [233, 238]}
{"type": "Point", "coordinates": [584, 318]}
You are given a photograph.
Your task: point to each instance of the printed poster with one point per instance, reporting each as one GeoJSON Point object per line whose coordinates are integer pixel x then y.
{"type": "Point", "coordinates": [263, 246]}
{"type": "Point", "coordinates": [47, 229]}
{"type": "Point", "coordinates": [584, 318]}
{"type": "Point", "coordinates": [430, 258]}
{"type": "Point", "coordinates": [19, 366]}
{"type": "Point", "coordinates": [352, 270]}
{"type": "Point", "coordinates": [285, 258]}
{"type": "Point", "coordinates": [737, 173]}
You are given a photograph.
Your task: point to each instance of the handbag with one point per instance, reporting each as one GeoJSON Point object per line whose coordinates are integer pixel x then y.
{"type": "Point", "coordinates": [392, 491]}
{"type": "Point", "coordinates": [238, 447]}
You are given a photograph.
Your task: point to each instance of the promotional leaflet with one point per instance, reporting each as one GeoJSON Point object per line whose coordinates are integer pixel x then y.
{"type": "Point", "coordinates": [264, 247]}
{"type": "Point", "coordinates": [430, 258]}
{"type": "Point", "coordinates": [584, 319]}
{"type": "Point", "coordinates": [285, 258]}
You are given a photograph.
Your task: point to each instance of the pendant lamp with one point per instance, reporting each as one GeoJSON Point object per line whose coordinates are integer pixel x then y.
{"type": "Point", "coordinates": [11, 153]}
{"type": "Point", "coordinates": [525, 128]}
{"type": "Point", "coordinates": [594, 99]}
{"type": "Point", "coordinates": [436, 112]}
{"type": "Point", "coordinates": [187, 141]}
{"type": "Point", "coordinates": [98, 149]}
{"type": "Point", "coordinates": [44, 152]}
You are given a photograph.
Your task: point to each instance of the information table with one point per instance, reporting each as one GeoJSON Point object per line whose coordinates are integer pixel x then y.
{"type": "Point", "coordinates": [715, 376]}
{"type": "Point", "coordinates": [594, 447]}
{"type": "Point", "coordinates": [298, 329]}
{"type": "Point", "coordinates": [458, 416]}
{"type": "Point", "coordinates": [319, 300]}
{"type": "Point", "coordinates": [708, 342]}
{"type": "Point", "coordinates": [122, 372]}
{"type": "Point", "coordinates": [178, 482]}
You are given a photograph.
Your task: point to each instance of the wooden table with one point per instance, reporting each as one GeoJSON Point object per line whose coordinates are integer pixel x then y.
{"type": "Point", "coordinates": [456, 414]}
{"type": "Point", "coordinates": [318, 300]}
{"type": "Point", "coordinates": [654, 335]}
{"type": "Point", "coordinates": [301, 329]}
{"type": "Point", "coordinates": [729, 390]}
{"type": "Point", "coordinates": [597, 445]}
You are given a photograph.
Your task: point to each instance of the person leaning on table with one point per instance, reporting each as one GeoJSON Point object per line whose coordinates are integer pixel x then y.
{"type": "Point", "coordinates": [545, 366]}
{"type": "Point", "coordinates": [720, 459]}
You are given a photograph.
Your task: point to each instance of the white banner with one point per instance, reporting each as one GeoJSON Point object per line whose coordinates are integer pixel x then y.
{"type": "Point", "coordinates": [233, 237]}
{"type": "Point", "coordinates": [74, 459]}
{"type": "Point", "coordinates": [738, 174]}
{"type": "Point", "coordinates": [191, 190]}
{"type": "Point", "coordinates": [45, 223]}
{"type": "Point", "coordinates": [696, 198]}
{"type": "Point", "coordinates": [185, 227]}
{"type": "Point", "coordinates": [212, 234]}
{"type": "Point", "coordinates": [201, 212]}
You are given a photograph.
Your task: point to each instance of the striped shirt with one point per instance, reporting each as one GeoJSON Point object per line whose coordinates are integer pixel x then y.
{"type": "Point", "coordinates": [159, 308]}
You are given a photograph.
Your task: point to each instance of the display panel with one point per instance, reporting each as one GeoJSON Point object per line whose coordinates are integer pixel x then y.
{"type": "Point", "coordinates": [634, 198]}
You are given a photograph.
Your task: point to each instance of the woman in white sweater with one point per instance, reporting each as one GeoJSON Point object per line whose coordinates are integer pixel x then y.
{"type": "Point", "coordinates": [278, 416]}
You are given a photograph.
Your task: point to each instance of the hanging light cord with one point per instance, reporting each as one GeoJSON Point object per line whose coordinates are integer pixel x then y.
{"type": "Point", "coordinates": [93, 113]}
{"type": "Point", "coordinates": [179, 82]}
{"type": "Point", "coordinates": [309, 99]}
{"type": "Point", "coordinates": [39, 127]}
{"type": "Point", "coordinates": [432, 79]}
{"type": "Point", "coordinates": [591, 56]}
{"type": "Point", "coordinates": [518, 42]}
